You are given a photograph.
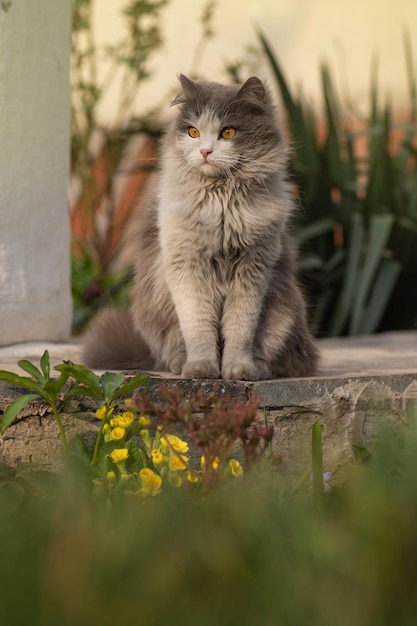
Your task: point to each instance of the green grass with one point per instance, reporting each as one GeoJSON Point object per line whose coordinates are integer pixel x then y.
{"type": "Point", "coordinates": [247, 553]}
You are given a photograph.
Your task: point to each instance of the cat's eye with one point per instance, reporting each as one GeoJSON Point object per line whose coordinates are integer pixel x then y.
{"type": "Point", "coordinates": [193, 132]}
{"type": "Point", "coordinates": [228, 132]}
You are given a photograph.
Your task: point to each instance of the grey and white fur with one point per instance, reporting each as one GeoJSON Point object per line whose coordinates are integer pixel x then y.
{"type": "Point", "coordinates": [215, 292]}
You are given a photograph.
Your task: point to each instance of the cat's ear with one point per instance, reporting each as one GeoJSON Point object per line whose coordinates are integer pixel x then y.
{"type": "Point", "coordinates": [190, 90]}
{"type": "Point", "coordinates": [254, 92]}
{"type": "Point", "coordinates": [189, 87]}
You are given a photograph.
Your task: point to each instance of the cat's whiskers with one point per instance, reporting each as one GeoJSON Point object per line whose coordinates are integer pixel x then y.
{"type": "Point", "coordinates": [182, 168]}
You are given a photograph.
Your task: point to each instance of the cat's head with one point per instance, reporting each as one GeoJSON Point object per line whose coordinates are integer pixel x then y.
{"type": "Point", "coordinates": [226, 131]}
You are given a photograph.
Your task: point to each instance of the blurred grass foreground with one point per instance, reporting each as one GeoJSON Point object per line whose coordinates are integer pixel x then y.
{"type": "Point", "coordinates": [251, 552]}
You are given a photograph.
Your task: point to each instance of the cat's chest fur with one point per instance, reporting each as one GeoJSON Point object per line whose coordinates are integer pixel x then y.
{"type": "Point", "coordinates": [214, 219]}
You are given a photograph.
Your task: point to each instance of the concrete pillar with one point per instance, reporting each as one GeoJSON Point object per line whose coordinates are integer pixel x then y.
{"type": "Point", "coordinates": [35, 295]}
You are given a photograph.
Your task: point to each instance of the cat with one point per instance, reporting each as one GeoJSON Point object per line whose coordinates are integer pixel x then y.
{"type": "Point", "coordinates": [215, 293]}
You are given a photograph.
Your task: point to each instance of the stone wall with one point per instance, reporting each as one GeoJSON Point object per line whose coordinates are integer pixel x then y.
{"type": "Point", "coordinates": [351, 411]}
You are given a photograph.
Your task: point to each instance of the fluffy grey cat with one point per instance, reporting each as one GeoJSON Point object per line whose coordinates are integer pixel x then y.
{"type": "Point", "coordinates": [215, 293]}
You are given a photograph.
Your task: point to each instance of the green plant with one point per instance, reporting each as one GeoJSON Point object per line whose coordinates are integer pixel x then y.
{"type": "Point", "coordinates": [357, 228]}
{"type": "Point", "coordinates": [214, 425]}
{"type": "Point", "coordinates": [106, 389]}
{"type": "Point", "coordinates": [136, 456]}
{"type": "Point", "coordinates": [317, 463]}
{"type": "Point", "coordinates": [259, 557]}
{"type": "Point", "coordinates": [126, 457]}
{"type": "Point", "coordinates": [94, 288]}
{"type": "Point", "coordinates": [41, 385]}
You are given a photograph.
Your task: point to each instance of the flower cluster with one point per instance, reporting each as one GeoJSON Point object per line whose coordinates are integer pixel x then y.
{"type": "Point", "coordinates": [144, 461]}
{"type": "Point", "coordinates": [168, 454]}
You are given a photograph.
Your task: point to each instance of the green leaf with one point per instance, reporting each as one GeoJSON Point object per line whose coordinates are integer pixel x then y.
{"type": "Point", "coordinates": [285, 92]}
{"type": "Point", "coordinates": [36, 482]}
{"type": "Point", "coordinates": [83, 375]}
{"type": "Point", "coordinates": [344, 303]}
{"type": "Point", "coordinates": [12, 495]}
{"type": "Point", "coordinates": [45, 365]}
{"type": "Point", "coordinates": [78, 447]}
{"type": "Point", "coordinates": [137, 458]}
{"type": "Point", "coordinates": [315, 229]}
{"type": "Point", "coordinates": [14, 409]}
{"type": "Point", "coordinates": [361, 454]}
{"type": "Point", "coordinates": [22, 381]}
{"type": "Point", "coordinates": [106, 448]}
{"type": "Point", "coordinates": [80, 390]}
{"type": "Point", "coordinates": [333, 140]}
{"type": "Point", "coordinates": [381, 292]}
{"type": "Point", "coordinates": [380, 229]}
{"type": "Point", "coordinates": [334, 261]}
{"type": "Point", "coordinates": [31, 369]}
{"type": "Point", "coordinates": [317, 458]}
{"type": "Point", "coordinates": [53, 387]}
{"type": "Point", "coordinates": [131, 385]}
{"type": "Point", "coordinates": [301, 122]}
{"type": "Point", "coordinates": [110, 381]}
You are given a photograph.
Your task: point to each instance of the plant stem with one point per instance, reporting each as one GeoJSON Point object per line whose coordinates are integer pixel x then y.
{"type": "Point", "coordinates": [97, 444]}
{"type": "Point", "coordinates": [317, 458]}
{"type": "Point", "coordinates": [60, 426]}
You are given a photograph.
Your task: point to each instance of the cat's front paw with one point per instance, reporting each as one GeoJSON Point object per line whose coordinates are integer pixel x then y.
{"type": "Point", "coordinates": [240, 370]}
{"type": "Point", "coordinates": [263, 369]}
{"type": "Point", "coordinates": [200, 369]}
{"type": "Point", "coordinates": [177, 364]}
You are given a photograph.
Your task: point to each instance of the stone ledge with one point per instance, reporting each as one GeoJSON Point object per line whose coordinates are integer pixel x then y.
{"type": "Point", "coordinates": [362, 383]}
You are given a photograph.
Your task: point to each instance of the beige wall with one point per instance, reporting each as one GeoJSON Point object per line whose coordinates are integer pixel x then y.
{"type": "Point", "coordinates": [346, 33]}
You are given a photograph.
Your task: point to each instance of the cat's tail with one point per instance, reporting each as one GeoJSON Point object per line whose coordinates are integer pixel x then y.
{"type": "Point", "coordinates": [111, 342]}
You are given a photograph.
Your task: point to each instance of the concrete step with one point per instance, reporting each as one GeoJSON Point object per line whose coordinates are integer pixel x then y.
{"type": "Point", "coordinates": [362, 383]}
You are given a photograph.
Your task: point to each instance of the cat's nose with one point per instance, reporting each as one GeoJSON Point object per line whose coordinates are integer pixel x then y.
{"type": "Point", "coordinates": [205, 153]}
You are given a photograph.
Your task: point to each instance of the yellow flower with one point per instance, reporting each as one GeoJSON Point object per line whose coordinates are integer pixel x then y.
{"type": "Point", "coordinates": [235, 468]}
{"type": "Point", "coordinates": [111, 477]}
{"type": "Point", "coordinates": [119, 455]}
{"type": "Point", "coordinates": [103, 412]}
{"type": "Point", "coordinates": [157, 457]}
{"type": "Point", "coordinates": [126, 419]}
{"type": "Point", "coordinates": [118, 433]}
{"type": "Point", "coordinates": [214, 463]}
{"type": "Point", "coordinates": [174, 442]}
{"type": "Point", "coordinates": [146, 472]}
{"type": "Point", "coordinates": [146, 438]}
{"type": "Point", "coordinates": [192, 478]}
{"type": "Point", "coordinates": [175, 481]}
{"type": "Point", "coordinates": [151, 482]}
{"type": "Point", "coordinates": [178, 463]}
{"type": "Point", "coordinates": [144, 420]}
{"type": "Point", "coordinates": [107, 433]}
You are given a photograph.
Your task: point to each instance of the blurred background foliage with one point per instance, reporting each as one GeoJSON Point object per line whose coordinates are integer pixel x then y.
{"type": "Point", "coordinates": [354, 174]}
{"type": "Point", "coordinates": [97, 151]}
{"type": "Point", "coordinates": [357, 225]}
